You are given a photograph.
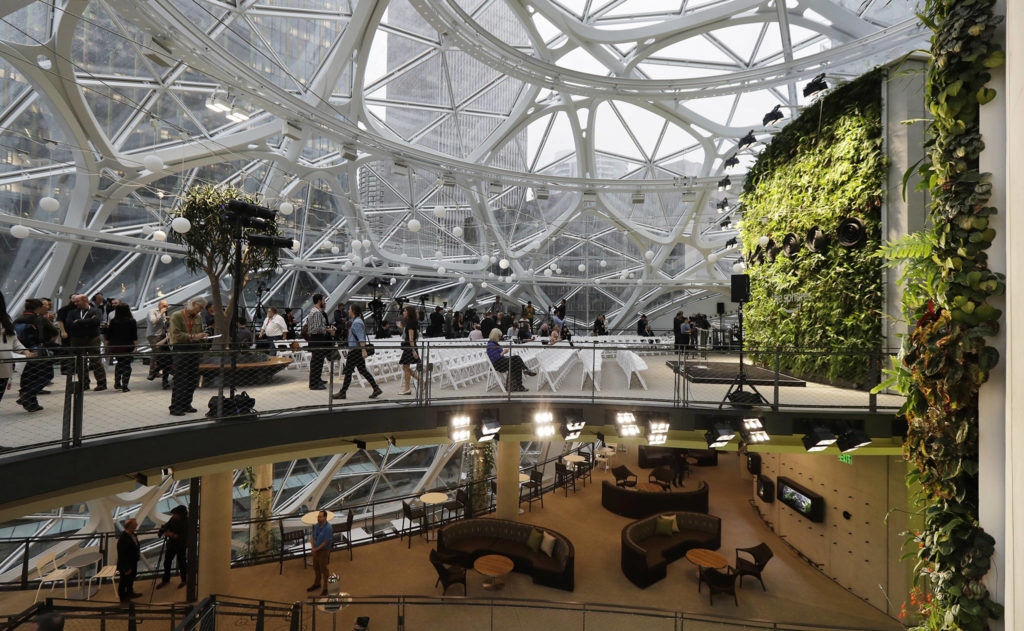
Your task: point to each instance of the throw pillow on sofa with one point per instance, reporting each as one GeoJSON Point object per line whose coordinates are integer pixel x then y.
{"type": "Point", "coordinates": [547, 546]}
{"type": "Point", "coordinates": [664, 525]}
{"type": "Point", "coordinates": [675, 524]}
{"type": "Point", "coordinates": [534, 540]}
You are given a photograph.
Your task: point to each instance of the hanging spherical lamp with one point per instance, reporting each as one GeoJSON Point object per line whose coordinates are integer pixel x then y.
{"type": "Point", "coordinates": [552, 267]}
{"type": "Point", "coordinates": [493, 260]}
{"type": "Point", "coordinates": [442, 270]}
{"type": "Point", "coordinates": [597, 281]}
{"type": "Point", "coordinates": [438, 254]}
{"type": "Point", "coordinates": [295, 245]}
{"type": "Point", "coordinates": [181, 225]}
{"type": "Point", "coordinates": [159, 235]}
{"type": "Point", "coordinates": [558, 270]}
{"type": "Point", "coordinates": [483, 285]}
{"type": "Point", "coordinates": [462, 280]}
{"type": "Point", "coordinates": [582, 267]}
{"type": "Point", "coordinates": [414, 225]}
{"type": "Point", "coordinates": [49, 204]}
{"type": "Point", "coordinates": [713, 258]}
{"type": "Point", "coordinates": [603, 263]}
{"type": "Point", "coordinates": [165, 259]}
{"type": "Point", "coordinates": [764, 241]}
{"type": "Point", "coordinates": [347, 265]}
{"type": "Point", "coordinates": [393, 281]}
{"type": "Point", "coordinates": [286, 208]}
{"type": "Point", "coordinates": [335, 249]}
{"type": "Point", "coordinates": [366, 244]}
{"type": "Point", "coordinates": [153, 162]}
{"type": "Point", "coordinates": [439, 211]}
{"type": "Point", "coordinates": [357, 245]}
{"type": "Point", "coordinates": [503, 263]}
{"type": "Point", "coordinates": [457, 232]}
{"type": "Point", "coordinates": [147, 230]}
{"type": "Point", "coordinates": [19, 231]}
{"type": "Point", "coordinates": [649, 254]}
{"type": "Point", "coordinates": [548, 273]}
{"type": "Point", "coordinates": [739, 267]}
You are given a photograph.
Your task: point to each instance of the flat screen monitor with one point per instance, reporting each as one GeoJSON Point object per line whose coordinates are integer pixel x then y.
{"type": "Point", "coordinates": [753, 464]}
{"type": "Point", "coordinates": [765, 489]}
{"type": "Point", "coordinates": [802, 500]}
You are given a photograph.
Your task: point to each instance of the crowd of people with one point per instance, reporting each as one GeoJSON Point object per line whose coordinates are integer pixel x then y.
{"type": "Point", "coordinates": [95, 328]}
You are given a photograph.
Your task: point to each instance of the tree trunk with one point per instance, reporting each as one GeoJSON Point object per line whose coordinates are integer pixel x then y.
{"type": "Point", "coordinates": [261, 496]}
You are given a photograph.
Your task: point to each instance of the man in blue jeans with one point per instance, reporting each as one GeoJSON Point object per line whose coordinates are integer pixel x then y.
{"type": "Point", "coordinates": [357, 354]}
{"type": "Point", "coordinates": [322, 535]}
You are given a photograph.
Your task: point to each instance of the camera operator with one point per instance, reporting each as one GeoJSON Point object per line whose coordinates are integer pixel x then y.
{"type": "Point", "coordinates": [175, 532]}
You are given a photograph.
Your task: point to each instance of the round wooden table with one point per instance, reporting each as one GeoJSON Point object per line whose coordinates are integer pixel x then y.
{"type": "Point", "coordinates": [310, 518]}
{"type": "Point", "coordinates": [706, 558]}
{"type": "Point", "coordinates": [523, 478]}
{"type": "Point", "coordinates": [493, 566]}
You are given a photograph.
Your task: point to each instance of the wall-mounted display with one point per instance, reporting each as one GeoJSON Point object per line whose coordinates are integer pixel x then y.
{"type": "Point", "coordinates": [765, 489]}
{"type": "Point", "coordinates": [753, 464]}
{"type": "Point", "coordinates": [802, 500]}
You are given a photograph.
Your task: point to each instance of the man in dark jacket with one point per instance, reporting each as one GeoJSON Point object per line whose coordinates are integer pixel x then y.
{"type": "Point", "coordinates": [35, 333]}
{"type": "Point", "coordinates": [487, 324]}
{"type": "Point", "coordinates": [83, 326]}
{"type": "Point", "coordinates": [128, 554]}
{"type": "Point", "coordinates": [436, 327]}
{"type": "Point", "coordinates": [175, 531]}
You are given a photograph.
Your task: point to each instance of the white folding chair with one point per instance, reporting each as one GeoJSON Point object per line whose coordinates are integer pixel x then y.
{"type": "Point", "coordinates": [52, 574]}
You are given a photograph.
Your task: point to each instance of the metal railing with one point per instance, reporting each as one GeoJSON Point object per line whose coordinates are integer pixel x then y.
{"type": "Point", "coordinates": [650, 371]}
{"type": "Point", "coordinates": [400, 613]}
{"type": "Point", "coordinates": [373, 518]}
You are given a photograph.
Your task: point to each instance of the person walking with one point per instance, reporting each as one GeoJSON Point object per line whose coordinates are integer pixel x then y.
{"type": "Point", "coordinates": [321, 540]}
{"type": "Point", "coordinates": [67, 365]}
{"type": "Point", "coordinates": [357, 354]}
{"type": "Point", "coordinates": [156, 336]}
{"type": "Point", "coordinates": [410, 355]}
{"type": "Point", "coordinates": [186, 336]}
{"type": "Point", "coordinates": [175, 534]}
{"type": "Point", "coordinates": [122, 340]}
{"type": "Point", "coordinates": [677, 332]}
{"type": "Point", "coordinates": [9, 344]}
{"type": "Point", "coordinates": [34, 331]}
{"type": "Point", "coordinates": [83, 326]}
{"type": "Point", "coordinates": [319, 341]}
{"type": "Point", "coordinates": [436, 326]}
{"type": "Point", "coordinates": [128, 554]}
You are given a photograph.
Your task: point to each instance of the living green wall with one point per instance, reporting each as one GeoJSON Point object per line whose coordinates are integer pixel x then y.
{"type": "Point", "coordinates": [826, 165]}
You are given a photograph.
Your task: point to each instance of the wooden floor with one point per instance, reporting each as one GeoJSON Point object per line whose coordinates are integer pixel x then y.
{"type": "Point", "coordinates": [796, 592]}
{"type": "Point", "coordinates": [146, 406]}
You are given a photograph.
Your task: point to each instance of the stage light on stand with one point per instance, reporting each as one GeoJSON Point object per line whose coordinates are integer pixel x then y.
{"type": "Point", "coordinates": [818, 439]}
{"type": "Point", "coordinates": [773, 116]}
{"type": "Point", "coordinates": [459, 428]}
{"type": "Point", "coordinates": [626, 422]}
{"type": "Point", "coordinates": [638, 198]}
{"type": "Point", "coordinates": [544, 425]}
{"type": "Point", "coordinates": [657, 432]}
{"type": "Point", "coordinates": [542, 193]}
{"type": "Point", "coordinates": [719, 435]}
{"type": "Point", "coordinates": [852, 439]}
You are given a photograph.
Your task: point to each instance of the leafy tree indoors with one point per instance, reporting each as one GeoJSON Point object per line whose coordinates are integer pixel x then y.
{"type": "Point", "coordinates": [210, 248]}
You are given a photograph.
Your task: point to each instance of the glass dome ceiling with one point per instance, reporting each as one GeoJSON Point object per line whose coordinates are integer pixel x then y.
{"type": "Point", "coordinates": [586, 136]}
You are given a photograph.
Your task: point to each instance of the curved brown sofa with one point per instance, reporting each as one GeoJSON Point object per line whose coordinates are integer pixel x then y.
{"type": "Point", "coordinates": [635, 503]}
{"type": "Point", "coordinates": [467, 539]}
{"type": "Point", "coordinates": [646, 555]}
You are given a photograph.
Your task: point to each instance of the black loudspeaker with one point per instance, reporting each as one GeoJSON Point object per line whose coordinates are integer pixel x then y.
{"type": "Point", "coordinates": [720, 308]}
{"type": "Point", "coordinates": [740, 287]}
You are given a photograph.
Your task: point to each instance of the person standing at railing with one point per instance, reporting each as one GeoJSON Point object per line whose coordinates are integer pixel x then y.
{"type": "Point", "coordinates": [321, 539]}
{"type": "Point", "coordinates": [122, 340]}
{"type": "Point", "coordinates": [9, 344]}
{"type": "Point", "coordinates": [410, 354]}
{"type": "Point", "coordinates": [128, 554]}
{"type": "Point", "coordinates": [357, 354]}
{"type": "Point", "coordinates": [34, 332]}
{"type": "Point", "coordinates": [187, 341]}
{"type": "Point", "coordinates": [67, 366]}
{"type": "Point", "coordinates": [175, 533]}
{"type": "Point", "coordinates": [599, 328]}
{"type": "Point", "coordinates": [156, 335]}
{"type": "Point", "coordinates": [83, 325]}
{"type": "Point", "coordinates": [643, 329]}
{"type": "Point", "coordinates": [319, 341]}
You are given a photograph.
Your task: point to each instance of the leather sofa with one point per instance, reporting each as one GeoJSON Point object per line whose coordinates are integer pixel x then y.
{"type": "Point", "coordinates": [635, 503]}
{"type": "Point", "coordinates": [649, 457]}
{"type": "Point", "coordinates": [646, 555]}
{"type": "Point", "coordinates": [467, 539]}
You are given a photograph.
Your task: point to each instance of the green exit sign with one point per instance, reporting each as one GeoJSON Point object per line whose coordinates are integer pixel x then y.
{"type": "Point", "coordinates": [847, 458]}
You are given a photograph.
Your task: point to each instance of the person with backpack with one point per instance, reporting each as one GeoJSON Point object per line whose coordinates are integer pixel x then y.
{"type": "Point", "coordinates": [34, 332]}
{"type": "Point", "coordinates": [122, 336]}
{"type": "Point", "coordinates": [9, 344]}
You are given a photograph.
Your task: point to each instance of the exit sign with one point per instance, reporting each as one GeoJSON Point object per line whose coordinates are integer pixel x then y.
{"type": "Point", "coordinates": [847, 458]}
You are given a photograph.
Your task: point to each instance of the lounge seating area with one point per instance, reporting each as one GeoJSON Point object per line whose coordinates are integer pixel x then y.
{"type": "Point", "coordinates": [466, 540]}
{"type": "Point", "coordinates": [646, 552]}
{"type": "Point", "coordinates": [637, 503]}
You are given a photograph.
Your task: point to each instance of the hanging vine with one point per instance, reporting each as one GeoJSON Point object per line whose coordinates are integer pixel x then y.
{"type": "Point", "coordinates": [948, 288]}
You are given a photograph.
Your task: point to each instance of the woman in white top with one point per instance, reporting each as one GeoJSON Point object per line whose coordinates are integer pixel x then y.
{"type": "Point", "coordinates": [9, 345]}
{"type": "Point", "coordinates": [274, 329]}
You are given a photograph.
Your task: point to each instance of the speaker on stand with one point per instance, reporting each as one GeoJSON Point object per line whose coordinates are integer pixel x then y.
{"type": "Point", "coordinates": [736, 395]}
